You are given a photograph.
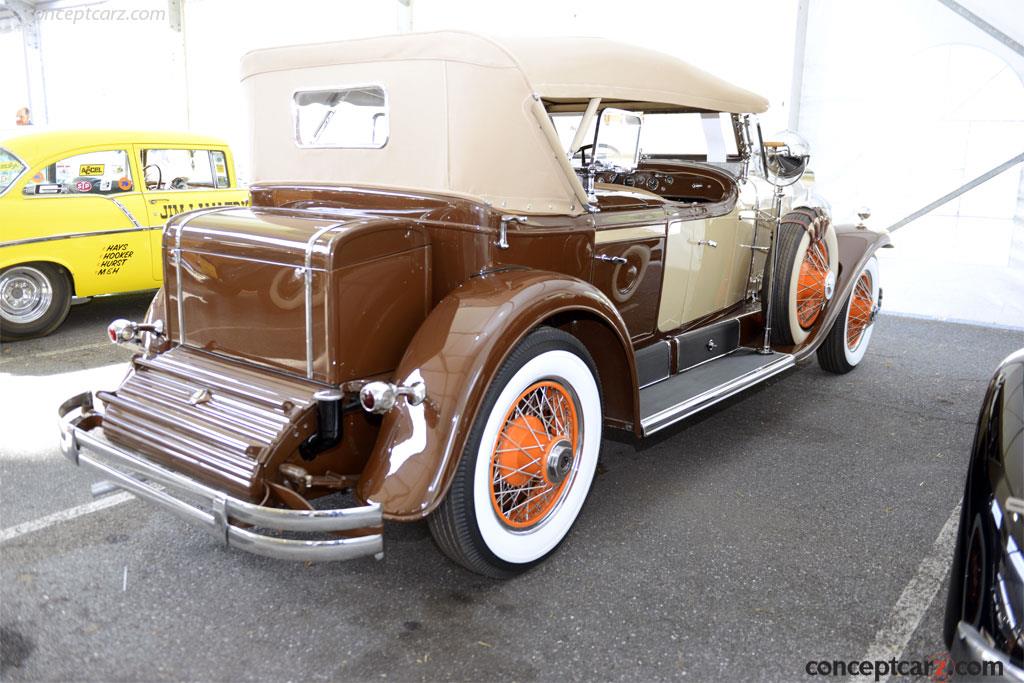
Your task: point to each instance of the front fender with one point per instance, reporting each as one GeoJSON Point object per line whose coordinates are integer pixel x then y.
{"type": "Point", "coordinates": [456, 353]}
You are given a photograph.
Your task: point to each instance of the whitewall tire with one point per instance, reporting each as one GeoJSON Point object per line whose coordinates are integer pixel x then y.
{"type": "Point", "coordinates": [529, 462]}
{"type": "Point", "coordinates": [847, 341]}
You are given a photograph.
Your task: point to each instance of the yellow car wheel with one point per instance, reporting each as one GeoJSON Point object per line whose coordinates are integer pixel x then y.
{"type": "Point", "coordinates": [34, 300]}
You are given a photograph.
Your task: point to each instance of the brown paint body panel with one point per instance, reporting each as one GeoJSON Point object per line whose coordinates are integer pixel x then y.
{"type": "Point", "coordinates": [243, 271]}
{"type": "Point", "coordinates": [456, 352]}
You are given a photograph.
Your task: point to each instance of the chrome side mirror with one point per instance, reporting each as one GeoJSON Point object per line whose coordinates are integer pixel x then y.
{"type": "Point", "coordinates": [787, 156]}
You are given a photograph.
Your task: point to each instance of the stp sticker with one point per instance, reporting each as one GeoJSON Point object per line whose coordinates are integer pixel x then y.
{"type": "Point", "coordinates": [83, 186]}
{"type": "Point", "coordinates": [124, 184]}
{"type": "Point", "coordinates": [90, 169]}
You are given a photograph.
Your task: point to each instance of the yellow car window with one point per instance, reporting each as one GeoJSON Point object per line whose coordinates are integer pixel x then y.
{"type": "Point", "coordinates": [10, 169]}
{"type": "Point", "coordinates": [220, 168]}
{"type": "Point", "coordinates": [179, 169]}
{"type": "Point", "coordinates": [103, 173]}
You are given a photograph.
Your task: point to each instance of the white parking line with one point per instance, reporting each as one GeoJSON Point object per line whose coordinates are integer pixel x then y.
{"type": "Point", "coordinates": [13, 532]}
{"type": "Point", "coordinates": [891, 640]}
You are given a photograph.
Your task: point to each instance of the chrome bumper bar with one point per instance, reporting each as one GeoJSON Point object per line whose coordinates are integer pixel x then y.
{"type": "Point", "coordinates": [970, 646]}
{"type": "Point", "coordinates": [154, 483]}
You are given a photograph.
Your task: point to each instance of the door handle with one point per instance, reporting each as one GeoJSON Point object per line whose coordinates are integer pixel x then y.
{"type": "Point", "coordinates": [159, 199]}
{"type": "Point", "coordinates": [710, 243]}
{"type": "Point", "coordinates": [620, 260]}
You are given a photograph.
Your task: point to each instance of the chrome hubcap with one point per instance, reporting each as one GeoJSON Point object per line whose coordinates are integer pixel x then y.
{"type": "Point", "coordinates": [559, 461]}
{"type": "Point", "coordinates": [25, 295]}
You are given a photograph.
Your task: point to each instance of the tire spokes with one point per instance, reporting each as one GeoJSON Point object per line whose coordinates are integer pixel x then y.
{"type": "Point", "coordinates": [810, 290]}
{"type": "Point", "coordinates": [862, 303]}
{"type": "Point", "coordinates": [521, 492]}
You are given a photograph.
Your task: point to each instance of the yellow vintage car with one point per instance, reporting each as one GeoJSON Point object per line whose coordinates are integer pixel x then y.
{"type": "Point", "coordinates": [82, 212]}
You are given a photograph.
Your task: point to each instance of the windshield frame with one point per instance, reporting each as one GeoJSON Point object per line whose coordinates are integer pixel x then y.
{"type": "Point", "coordinates": [19, 176]}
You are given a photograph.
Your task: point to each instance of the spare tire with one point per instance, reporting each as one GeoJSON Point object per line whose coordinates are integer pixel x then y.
{"type": "Point", "coordinates": [805, 277]}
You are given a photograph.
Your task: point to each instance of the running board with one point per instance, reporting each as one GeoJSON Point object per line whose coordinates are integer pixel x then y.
{"type": "Point", "coordinates": [700, 387]}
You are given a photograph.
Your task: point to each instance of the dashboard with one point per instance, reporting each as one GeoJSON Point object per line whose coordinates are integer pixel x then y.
{"type": "Point", "coordinates": [651, 181]}
{"type": "Point", "coordinates": [687, 185]}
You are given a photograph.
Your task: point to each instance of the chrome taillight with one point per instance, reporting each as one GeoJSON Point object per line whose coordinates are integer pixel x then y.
{"type": "Point", "coordinates": [380, 397]}
{"type": "Point", "coordinates": [123, 331]}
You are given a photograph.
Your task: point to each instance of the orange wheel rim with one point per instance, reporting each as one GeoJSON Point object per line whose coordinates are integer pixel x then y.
{"type": "Point", "coordinates": [534, 456]}
{"type": "Point", "coordinates": [861, 305]}
{"type": "Point", "coordinates": [811, 288]}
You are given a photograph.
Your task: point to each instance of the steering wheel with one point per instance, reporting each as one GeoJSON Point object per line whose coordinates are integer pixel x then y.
{"type": "Point", "coordinates": [159, 177]}
{"type": "Point", "coordinates": [179, 183]}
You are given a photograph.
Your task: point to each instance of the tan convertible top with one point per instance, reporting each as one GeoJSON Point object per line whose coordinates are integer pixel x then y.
{"type": "Point", "coordinates": [467, 112]}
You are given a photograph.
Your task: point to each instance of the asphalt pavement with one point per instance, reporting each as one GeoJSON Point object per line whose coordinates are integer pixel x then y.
{"type": "Point", "coordinates": [781, 528]}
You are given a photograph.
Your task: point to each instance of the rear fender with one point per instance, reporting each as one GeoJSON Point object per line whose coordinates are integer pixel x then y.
{"type": "Point", "coordinates": [457, 352]}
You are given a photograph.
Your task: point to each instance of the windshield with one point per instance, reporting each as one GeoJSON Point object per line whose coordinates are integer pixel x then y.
{"type": "Point", "coordinates": [683, 135]}
{"type": "Point", "coordinates": [10, 169]}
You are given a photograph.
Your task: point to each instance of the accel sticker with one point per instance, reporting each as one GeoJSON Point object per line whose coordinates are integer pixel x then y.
{"type": "Point", "coordinates": [90, 169]}
{"type": "Point", "coordinates": [124, 184]}
{"type": "Point", "coordinates": [83, 186]}
{"type": "Point", "coordinates": [9, 166]}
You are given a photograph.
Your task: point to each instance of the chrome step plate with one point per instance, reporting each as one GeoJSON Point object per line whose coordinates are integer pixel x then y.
{"type": "Point", "coordinates": [700, 387]}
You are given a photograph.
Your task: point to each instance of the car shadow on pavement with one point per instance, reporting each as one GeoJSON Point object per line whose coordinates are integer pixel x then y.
{"type": "Point", "coordinates": [80, 343]}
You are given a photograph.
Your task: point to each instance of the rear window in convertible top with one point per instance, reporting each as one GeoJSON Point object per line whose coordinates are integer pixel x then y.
{"type": "Point", "coordinates": [355, 116]}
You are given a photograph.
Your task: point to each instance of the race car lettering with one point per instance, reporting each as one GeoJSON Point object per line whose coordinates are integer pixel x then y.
{"type": "Point", "coordinates": [113, 258]}
{"type": "Point", "coordinates": [174, 209]}
{"type": "Point", "coordinates": [90, 169]}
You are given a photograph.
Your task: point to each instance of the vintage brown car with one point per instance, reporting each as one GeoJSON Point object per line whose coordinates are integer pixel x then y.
{"type": "Point", "coordinates": [465, 259]}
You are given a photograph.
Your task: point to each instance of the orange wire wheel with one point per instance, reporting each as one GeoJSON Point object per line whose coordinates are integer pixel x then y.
{"type": "Point", "coordinates": [534, 456]}
{"type": "Point", "coordinates": [812, 286]}
{"type": "Point", "coordinates": [861, 305]}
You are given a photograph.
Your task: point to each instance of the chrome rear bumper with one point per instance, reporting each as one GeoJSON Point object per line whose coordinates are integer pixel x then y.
{"type": "Point", "coordinates": [198, 503]}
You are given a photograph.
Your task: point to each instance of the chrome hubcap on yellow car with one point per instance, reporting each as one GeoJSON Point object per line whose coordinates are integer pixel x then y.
{"type": "Point", "coordinates": [25, 295]}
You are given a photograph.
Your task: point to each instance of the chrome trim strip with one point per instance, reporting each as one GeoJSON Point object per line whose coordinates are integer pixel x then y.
{"type": "Point", "coordinates": [680, 411]}
{"type": "Point", "coordinates": [162, 486]}
{"type": "Point", "coordinates": [70, 235]}
{"type": "Point", "coordinates": [179, 292]}
{"type": "Point", "coordinates": [310, 245]}
{"type": "Point", "coordinates": [126, 212]}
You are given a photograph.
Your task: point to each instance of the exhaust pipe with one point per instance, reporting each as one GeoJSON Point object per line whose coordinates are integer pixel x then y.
{"type": "Point", "coordinates": [328, 432]}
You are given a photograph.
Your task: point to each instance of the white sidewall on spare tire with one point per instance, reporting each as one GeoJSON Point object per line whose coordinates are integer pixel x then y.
{"type": "Point", "coordinates": [854, 356]}
{"type": "Point", "coordinates": [798, 333]}
{"type": "Point", "coordinates": [527, 545]}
